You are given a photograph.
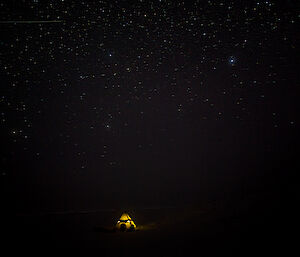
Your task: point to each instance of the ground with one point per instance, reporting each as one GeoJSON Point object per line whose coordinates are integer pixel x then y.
{"type": "Point", "coordinates": [162, 232]}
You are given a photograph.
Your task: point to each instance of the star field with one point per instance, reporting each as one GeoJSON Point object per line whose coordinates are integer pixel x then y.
{"type": "Point", "coordinates": [114, 86]}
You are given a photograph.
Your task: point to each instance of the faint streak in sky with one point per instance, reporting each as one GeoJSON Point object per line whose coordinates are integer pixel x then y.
{"type": "Point", "coordinates": [31, 22]}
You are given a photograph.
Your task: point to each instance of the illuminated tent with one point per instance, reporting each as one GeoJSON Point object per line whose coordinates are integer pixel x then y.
{"type": "Point", "coordinates": [125, 223]}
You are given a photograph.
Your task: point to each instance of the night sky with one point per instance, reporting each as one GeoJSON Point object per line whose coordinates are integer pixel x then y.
{"type": "Point", "coordinates": [111, 104]}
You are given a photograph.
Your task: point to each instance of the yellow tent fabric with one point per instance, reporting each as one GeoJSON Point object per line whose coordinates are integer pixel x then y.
{"type": "Point", "coordinates": [125, 223]}
{"type": "Point", "coordinates": [125, 217]}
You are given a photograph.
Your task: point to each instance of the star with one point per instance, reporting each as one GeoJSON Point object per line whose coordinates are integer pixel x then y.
{"type": "Point", "coordinates": [232, 60]}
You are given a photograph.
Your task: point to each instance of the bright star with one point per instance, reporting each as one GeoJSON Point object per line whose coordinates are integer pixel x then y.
{"type": "Point", "coordinates": [232, 60]}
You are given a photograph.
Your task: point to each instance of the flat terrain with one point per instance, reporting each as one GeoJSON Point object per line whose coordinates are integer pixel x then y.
{"type": "Point", "coordinates": [162, 232]}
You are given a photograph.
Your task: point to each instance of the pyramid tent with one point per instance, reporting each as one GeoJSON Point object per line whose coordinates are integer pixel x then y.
{"type": "Point", "coordinates": [125, 223]}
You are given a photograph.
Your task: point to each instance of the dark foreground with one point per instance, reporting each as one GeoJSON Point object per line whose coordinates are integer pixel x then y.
{"type": "Point", "coordinates": [162, 232]}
